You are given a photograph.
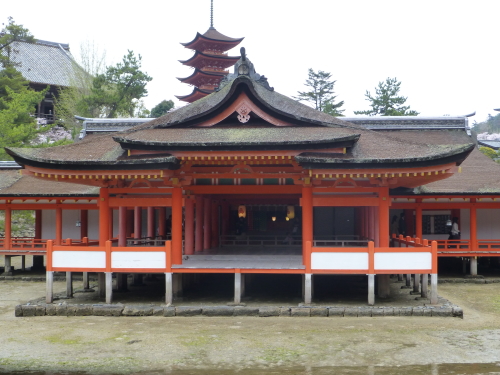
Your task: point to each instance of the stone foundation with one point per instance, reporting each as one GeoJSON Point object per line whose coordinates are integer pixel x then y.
{"type": "Point", "coordinates": [30, 310]}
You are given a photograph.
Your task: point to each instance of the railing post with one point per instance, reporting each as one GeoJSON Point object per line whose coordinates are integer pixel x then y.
{"type": "Point", "coordinates": [434, 276]}
{"type": "Point", "coordinates": [308, 255]}
{"type": "Point", "coordinates": [108, 256]}
{"type": "Point", "coordinates": [168, 253]}
{"type": "Point", "coordinates": [49, 280]}
{"type": "Point", "coordinates": [371, 273]}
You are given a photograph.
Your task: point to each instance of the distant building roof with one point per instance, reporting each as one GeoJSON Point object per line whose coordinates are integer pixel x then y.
{"type": "Point", "coordinates": [45, 62]}
{"type": "Point", "coordinates": [409, 122]}
{"type": "Point", "coordinates": [495, 145]}
{"type": "Point", "coordinates": [106, 125]}
{"type": "Point", "coordinates": [9, 165]}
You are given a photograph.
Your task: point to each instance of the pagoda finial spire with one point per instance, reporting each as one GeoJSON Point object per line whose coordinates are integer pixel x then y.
{"type": "Point", "coordinates": [211, 13]}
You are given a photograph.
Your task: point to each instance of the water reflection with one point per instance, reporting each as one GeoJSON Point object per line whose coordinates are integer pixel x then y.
{"type": "Point", "coordinates": [441, 369]}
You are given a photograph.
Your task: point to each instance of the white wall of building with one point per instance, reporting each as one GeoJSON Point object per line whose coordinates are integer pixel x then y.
{"type": "Point", "coordinates": [488, 224]}
{"type": "Point", "coordinates": [48, 224]}
{"type": "Point", "coordinates": [69, 219]}
{"type": "Point", "coordinates": [93, 224]}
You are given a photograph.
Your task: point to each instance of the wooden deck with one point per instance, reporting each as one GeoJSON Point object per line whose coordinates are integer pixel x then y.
{"type": "Point", "coordinates": [246, 257]}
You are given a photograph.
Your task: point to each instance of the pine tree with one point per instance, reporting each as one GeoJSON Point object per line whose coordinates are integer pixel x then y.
{"type": "Point", "coordinates": [321, 94]}
{"type": "Point", "coordinates": [386, 101]}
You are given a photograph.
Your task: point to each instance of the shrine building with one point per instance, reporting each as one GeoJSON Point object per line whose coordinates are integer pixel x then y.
{"type": "Point", "coordinates": [246, 181]}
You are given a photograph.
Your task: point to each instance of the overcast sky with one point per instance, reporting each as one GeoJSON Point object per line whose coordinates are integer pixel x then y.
{"type": "Point", "coordinates": [445, 53]}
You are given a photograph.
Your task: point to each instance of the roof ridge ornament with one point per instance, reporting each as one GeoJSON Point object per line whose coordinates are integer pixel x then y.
{"type": "Point", "coordinates": [244, 67]}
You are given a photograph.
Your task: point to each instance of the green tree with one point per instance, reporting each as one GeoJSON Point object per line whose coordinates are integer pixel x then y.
{"type": "Point", "coordinates": [118, 91]}
{"type": "Point", "coordinates": [489, 152]}
{"type": "Point", "coordinates": [10, 34]}
{"type": "Point", "coordinates": [321, 93]}
{"type": "Point", "coordinates": [386, 101]}
{"type": "Point", "coordinates": [162, 108]}
{"type": "Point", "coordinates": [17, 127]}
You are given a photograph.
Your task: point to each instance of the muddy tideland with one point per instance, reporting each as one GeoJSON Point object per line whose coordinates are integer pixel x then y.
{"type": "Point", "coordinates": [252, 345]}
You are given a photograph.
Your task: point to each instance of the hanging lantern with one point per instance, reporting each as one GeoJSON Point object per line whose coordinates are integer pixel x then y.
{"type": "Point", "coordinates": [287, 218]}
{"type": "Point", "coordinates": [290, 212]}
{"type": "Point", "coordinates": [274, 218]}
{"type": "Point", "coordinates": [242, 211]}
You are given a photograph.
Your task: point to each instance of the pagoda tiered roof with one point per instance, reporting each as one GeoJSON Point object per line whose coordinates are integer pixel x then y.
{"type": "Point", "coordinates": [209, 61]}
{"type": "Point", "coordinates": [212, 40]}
{"type": "Point", "coordinates": [202, 60]}
{"type": "Point", "coordinates": [202, 77]}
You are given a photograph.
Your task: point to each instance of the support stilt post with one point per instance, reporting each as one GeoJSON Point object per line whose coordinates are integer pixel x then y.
{"type": "Point", "coordinates": [371, 290]}
{"type": "Point", "coordinates": [169, 291]}
{"type": "Point", "coordinates": [49, 285]}
{"type": "Point", "coordinates": [425, 285]}
{"type": "Point", "coordinates": [69, 284]}
{"type": "Point", "coordinates": [237, 287]}
{"type": "Point", "coordinates": [416, 284]}
{"type": "Point", "coordinates": [473, 266]}
{"type": "Point", "coordinates": [101, 282]}
{"type": "Point", "coordinates": [86, 280]}
{"type": "Point", "coordinates": [384, 290]}
{"type": "Point", "coordinates": [434, 288]}
{"type": "Point", "coordinates": [307, 288]}
{"type": "Point", "coordinates": [109, 287]}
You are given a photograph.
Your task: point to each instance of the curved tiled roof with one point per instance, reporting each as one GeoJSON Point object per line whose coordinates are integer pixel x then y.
{"type": "Point", "coordinates": [480, 175]}
{"type": "Point", "coordinates": [12, 186]}
{"type": "Point", "coordinates": [281, 104]}
{"type": "Point", "coordinates": [93, 151]}
{"type": "Point", "coordinates": [242, 137]}
{"type": "Point", "coordinates": [46, 63]}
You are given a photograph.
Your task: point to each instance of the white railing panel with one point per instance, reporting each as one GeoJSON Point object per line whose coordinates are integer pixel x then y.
{"type": "Point", "coordinates": [339, 261]}
{"type": "Point", "coordinates": [403, 261]}
{"type": "Point", "coordinates": [79, 259]}
{"type": "Point", "coordinates": [138, 259]}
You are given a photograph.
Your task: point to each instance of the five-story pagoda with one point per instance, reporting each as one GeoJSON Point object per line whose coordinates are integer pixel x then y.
{"type": "Point", "coordinates": [209, 61]}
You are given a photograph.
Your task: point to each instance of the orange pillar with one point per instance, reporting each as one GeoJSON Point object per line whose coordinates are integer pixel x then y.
{"type": "Point", "coordinates": [103, 216]}
{"type": "Point", "coordinates": [137, 222]}
{"type": "Point", "coordinates": [122, 224]}
{"type": "Point", "coordinates": [151, 222]}
{"type": "Point", "coordinates": [363, 221]}
{"type": "Point", "coordinates": [162, 222]}
{"type": "Point", "coordinates": [215, 224]}
{"type": "Point", "coordinates": [376, 226]}
{"type": "Point", "coordinates": [307, 219]}
{"type": "Point", "coordinates": [110, 224]}
{"type": "Point", "coordinates": [189, 226]}
{"type": "Point", "coordinates": [371, 225]}
{"type": "Point", "coordinates": [84, 223]}
{"type": "Point", "coordinates": [130, 222]}
{"type": "Point", "coordinates": [58, 226]}
{"type": "Point", "coordinates": [383, 219]}
{"type": "Point", "coordinates": [409, 221]}
{"type": "Point", "coordinates": [8, 228]}
{"type": "Point", "coordinates": [38, 224]}
{"type": "Point", "coordinates": [177, 225]}
{"type": "Point", "coordinates": [206, 224]}
{"type": "Point", "coordinates": [199, 223]}
{"type": "Point", "coordinates": [473, 225]}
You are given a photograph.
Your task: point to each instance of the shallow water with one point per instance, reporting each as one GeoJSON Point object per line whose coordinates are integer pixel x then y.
{"type": "Point", "coordinates": [441, 369]}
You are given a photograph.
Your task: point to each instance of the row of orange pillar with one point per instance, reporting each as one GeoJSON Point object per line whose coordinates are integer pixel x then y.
{"type": "Point", "coordinates": [201, 226]}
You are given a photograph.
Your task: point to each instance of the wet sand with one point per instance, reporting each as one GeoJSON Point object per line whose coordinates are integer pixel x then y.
{"type": "Point", "coordinates": [132, 344]}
